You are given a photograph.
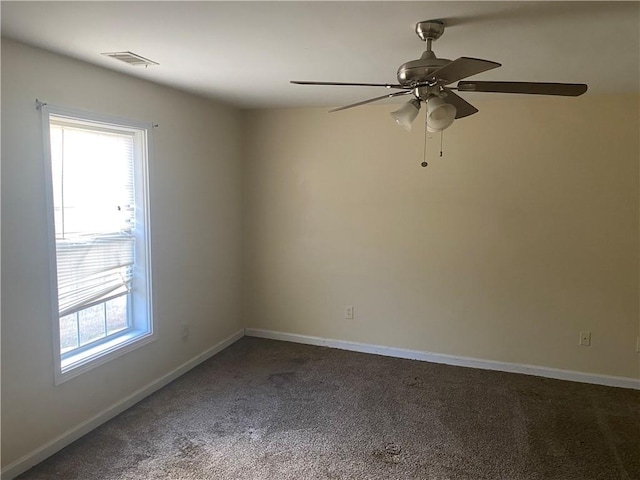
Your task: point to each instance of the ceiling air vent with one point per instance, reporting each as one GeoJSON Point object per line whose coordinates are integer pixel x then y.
{"type": "Point", "coordinates": [131, 58]}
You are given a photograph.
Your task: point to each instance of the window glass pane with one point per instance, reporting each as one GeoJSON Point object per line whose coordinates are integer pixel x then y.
{"type": "Point", "coordinates": [92, 324]}
{"type": "Point", "coordinates": [94, 210]}
{"type": "Point", "coordinates": [117, 314]}
{"type": "Point", "coordinates": [93, 181]}
{"type": "Point", "coordinates": [68, 332]}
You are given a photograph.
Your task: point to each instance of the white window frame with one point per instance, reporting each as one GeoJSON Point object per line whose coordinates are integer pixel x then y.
{"type": "Point", "coordinates": [141, 330]}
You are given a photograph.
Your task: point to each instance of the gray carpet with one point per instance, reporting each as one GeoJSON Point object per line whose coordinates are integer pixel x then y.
{"type": "Point", "coordinates": [263, 409]}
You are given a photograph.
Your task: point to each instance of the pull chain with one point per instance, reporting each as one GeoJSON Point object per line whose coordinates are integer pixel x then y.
{"type": "Point", "coordinates": [424, 155]}
{"type": "Point", "coordinates": [441, 135]}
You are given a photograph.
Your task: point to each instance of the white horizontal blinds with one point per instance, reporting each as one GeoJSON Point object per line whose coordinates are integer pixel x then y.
{"type": "Point", "coordinates": [93, 189]}
{"type": "Point", "coordinates": [93, 270]}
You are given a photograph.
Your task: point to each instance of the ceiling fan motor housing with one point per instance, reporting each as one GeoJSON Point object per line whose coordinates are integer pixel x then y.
{"type": "Point", "coordinates": [419, 71]}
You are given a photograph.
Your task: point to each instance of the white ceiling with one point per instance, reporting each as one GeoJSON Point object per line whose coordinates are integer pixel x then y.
{"type": "Point", "coordinates": [246, 52]}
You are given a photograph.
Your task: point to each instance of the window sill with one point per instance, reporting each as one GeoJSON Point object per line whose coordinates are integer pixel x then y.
{"type": "Point", "coordinates": [74, 365]}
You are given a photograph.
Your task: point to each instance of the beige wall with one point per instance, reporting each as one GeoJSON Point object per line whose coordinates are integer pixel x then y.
{"type": "Point", "coordinates": [195, 180]}
{"type": "Point", "coordinates": [523, 234]}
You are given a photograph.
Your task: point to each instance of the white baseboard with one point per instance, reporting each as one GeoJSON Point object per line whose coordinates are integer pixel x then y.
{"type": "Point", "coordinates": [33, 458]}
{"type": "Point", "coordinates": [597, 379]}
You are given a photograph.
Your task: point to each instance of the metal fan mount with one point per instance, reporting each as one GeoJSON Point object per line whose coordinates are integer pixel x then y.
{"type": "Point", "coordinates": [429, 77]}
{"type": "Point", "coordinates": [430, 30]}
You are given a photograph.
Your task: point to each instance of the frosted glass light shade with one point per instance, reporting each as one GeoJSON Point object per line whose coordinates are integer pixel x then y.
{"type": "Point", "coordinates": [440, 114]}
{"type": "Point", "coordinates": [406, 114]}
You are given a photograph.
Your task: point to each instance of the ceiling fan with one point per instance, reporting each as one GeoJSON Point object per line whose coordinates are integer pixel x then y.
{"type": "Point", "coordinates": [428, 78]}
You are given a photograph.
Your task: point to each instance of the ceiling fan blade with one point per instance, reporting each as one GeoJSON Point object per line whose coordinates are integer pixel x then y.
{"type": "Point", "coordinates": [534, 88]}
{"type": "Point", "coordinates": [390, 95]}
{"type": "Point", "coordinates": [463, 108]}
{"type": "Point", "coordinates": [386, 85]}
{"type": "Point", "coordinates": [461, 68]}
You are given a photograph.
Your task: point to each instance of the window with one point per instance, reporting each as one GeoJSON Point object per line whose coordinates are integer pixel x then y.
{"type": "Point", "coordinates": [97, 168]}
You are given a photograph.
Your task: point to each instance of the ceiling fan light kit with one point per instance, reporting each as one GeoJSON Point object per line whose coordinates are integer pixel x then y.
{"type": "Point", "coordinates": [406, 114]}
{"type": "Point", "coordinates": [440, 115]}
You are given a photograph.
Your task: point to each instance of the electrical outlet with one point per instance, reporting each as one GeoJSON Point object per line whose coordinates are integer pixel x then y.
{"type": "Point", "coordinates": [585, 338]}
{"type": "Point", "coordinates": [638, 344]}
{"type": "Point", "coordinates": [348, 312]}
{"type": "Point", "coordinates": [185, 331]}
